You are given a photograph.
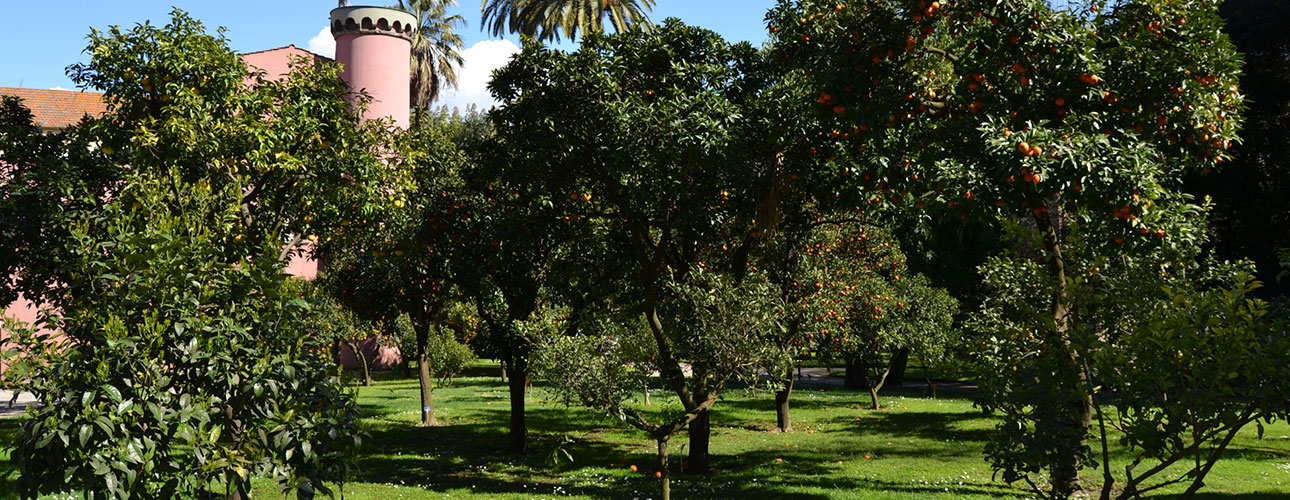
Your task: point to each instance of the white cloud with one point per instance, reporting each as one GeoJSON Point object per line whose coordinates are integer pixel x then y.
{"type": "Point", "coordinates": [58, 88]}
{"type": "Point", "coordinates": [323, 44]}
{"type": "Point", "coordinates": [481, 60]}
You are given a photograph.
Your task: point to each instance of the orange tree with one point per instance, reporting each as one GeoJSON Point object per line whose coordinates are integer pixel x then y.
{"type": "Point", "coordinates": [1058, 121]}
{"type": "Point", "coordinates": [402, 265]}
{"type": "Point", "coordinates": [637, 137]}
{"type": "Point", "coordinates": [158, 231]}
{"type": "Point", "coordinates": [836, 275]}
{"type": "Point", "coordinates": [514, 244]}
{"type": "Point", "coordinates": [851, 297]}
{"type": "Point", "coordinates": [336, 325]}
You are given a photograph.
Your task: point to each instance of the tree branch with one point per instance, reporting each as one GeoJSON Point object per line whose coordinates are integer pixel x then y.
{"type": "Point", "coordinates": [941, 52]}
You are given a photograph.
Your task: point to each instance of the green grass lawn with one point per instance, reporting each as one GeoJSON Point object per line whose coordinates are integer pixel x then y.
{"type": "Point", "coordinates": [916, 448]}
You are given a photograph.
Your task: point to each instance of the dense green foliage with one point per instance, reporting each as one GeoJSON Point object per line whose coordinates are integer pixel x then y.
{"type": "Point", "coordinates": [167, 383]}
{"type": "Point", "coordinates": [1052, 123]}
{"type": "Point", "coordinates": [657, 208]}
{"type": "Point", "coordinates": [161, 231]}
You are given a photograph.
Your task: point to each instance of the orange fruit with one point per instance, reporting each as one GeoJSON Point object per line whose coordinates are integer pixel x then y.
{"type": "Point", "coordinates": [633, 468]}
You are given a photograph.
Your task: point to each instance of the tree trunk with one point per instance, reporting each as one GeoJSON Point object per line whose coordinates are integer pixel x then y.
{"type": "Point", "coordinates": [700, 435]}
{"type": "Point", "coordinates": [362, 360]}
{"type": "Point", "coordinates": [1065, 466]}
{"type": "Point", "coordinates": [503, 362]}
{"type": "Point", "coordinates": [516, 378]}
{"type": "Point", "coordinates": [665, 474]}
{"type": "Point", "coordinates": [427, 389]}
{"type": "Point", "coordinates": [899, 361]}
{"type": "Point", "coordinates": [855, 378]}
{"type": "Point", "coordinates": [877, 383]}
{"type": "Point", "coordinates": [783, 420]}
{"type": "Point", "coordinates": [423, 375]}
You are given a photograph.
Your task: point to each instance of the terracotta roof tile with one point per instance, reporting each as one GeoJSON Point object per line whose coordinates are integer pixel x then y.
{"type": "Point", "coordinates": [58, 109]}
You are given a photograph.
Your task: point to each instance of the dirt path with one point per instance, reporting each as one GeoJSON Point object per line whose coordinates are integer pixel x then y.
{"type": "Point", "coordinates": [18, 407]}
{"type": "Point", "coordinates": [820, 375]}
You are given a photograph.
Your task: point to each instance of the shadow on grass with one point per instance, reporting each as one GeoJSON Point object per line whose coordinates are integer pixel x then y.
{"type": "Point", "coordinates": [9, 428]}
{"type": "Point", "coordinates": [476, 456]}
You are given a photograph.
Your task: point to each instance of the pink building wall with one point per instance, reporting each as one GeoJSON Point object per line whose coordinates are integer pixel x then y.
{"type": "Point", "coordinates": [276, 63]}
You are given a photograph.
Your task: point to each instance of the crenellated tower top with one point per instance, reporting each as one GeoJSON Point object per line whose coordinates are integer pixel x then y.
{"type": "Point", "coordinates": [368, 20]}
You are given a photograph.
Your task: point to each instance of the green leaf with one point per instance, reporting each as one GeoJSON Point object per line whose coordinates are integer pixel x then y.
{"type": "Point", "coordinates": [86, 431]}
{"type": "Point", "coordinates": [112, 392]}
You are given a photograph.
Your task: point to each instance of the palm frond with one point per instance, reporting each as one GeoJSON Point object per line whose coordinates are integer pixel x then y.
{"type": "Point", "coordinates": [553, 19]}
{"type": "Point", "coordinates": [436, 49]}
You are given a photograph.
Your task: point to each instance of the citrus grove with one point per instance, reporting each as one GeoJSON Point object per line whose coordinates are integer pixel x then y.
{"type": "Point", "coordinates": [991, 187]}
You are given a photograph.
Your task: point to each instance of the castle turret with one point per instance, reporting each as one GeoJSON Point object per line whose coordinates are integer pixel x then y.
{"type": "Point", "coordinates": [374, 44]}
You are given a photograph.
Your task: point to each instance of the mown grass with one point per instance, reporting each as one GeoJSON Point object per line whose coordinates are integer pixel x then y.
{"type": "Point", "coordinates": [916, 448]}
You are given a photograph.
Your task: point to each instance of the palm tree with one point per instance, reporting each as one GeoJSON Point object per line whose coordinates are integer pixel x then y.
{"type": "Point", "coordinates": [436, 49]}
{"type": "Point", "coordinates": [549, 19]}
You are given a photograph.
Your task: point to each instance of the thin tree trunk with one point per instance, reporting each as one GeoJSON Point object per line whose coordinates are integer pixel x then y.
{"type": "Point", "coordinates": [665, 474]}
{"type": "Point", "coordinates": [362, 360]}
{"type": "Point", "coordinates": [1214, 455]}
{"type": "Point", "coordinates": [427, 390]}
{"type": "Point", "coordinates": [876, 385]}
{"type": "Point", "coordinates": [1065, 467]}
{"type": "Point", "coordinates": [503, 370]}
{"type": "Point", "coordinates": [855, 376]}
{"type": "Point", "coordinates": [516, 381]}
{"type": "Point", "coordinates": [423, 375]}
{"type": "Point", "coordinates": [899, 362]}
{"type": "Point", "coordinates": [1108, 479]}
{"type": "Point", "coordinates": [700, 435]}
{"type": "Point", "coordinates": [783, 420]}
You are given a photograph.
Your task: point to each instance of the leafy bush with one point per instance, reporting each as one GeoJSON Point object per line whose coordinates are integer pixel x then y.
{"type": "Point", "coordinates": [181, 368]}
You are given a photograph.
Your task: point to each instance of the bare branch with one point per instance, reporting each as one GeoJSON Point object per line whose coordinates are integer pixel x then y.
{"type": "Point", "coordinates": [942, 53]}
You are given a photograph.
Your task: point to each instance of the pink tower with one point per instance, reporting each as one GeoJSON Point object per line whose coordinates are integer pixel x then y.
{"type": "Point", "coordinates": [374, 44]}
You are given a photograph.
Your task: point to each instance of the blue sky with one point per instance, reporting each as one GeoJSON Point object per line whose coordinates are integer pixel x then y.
{"type": "Point", "coordinates": [41, 38]}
